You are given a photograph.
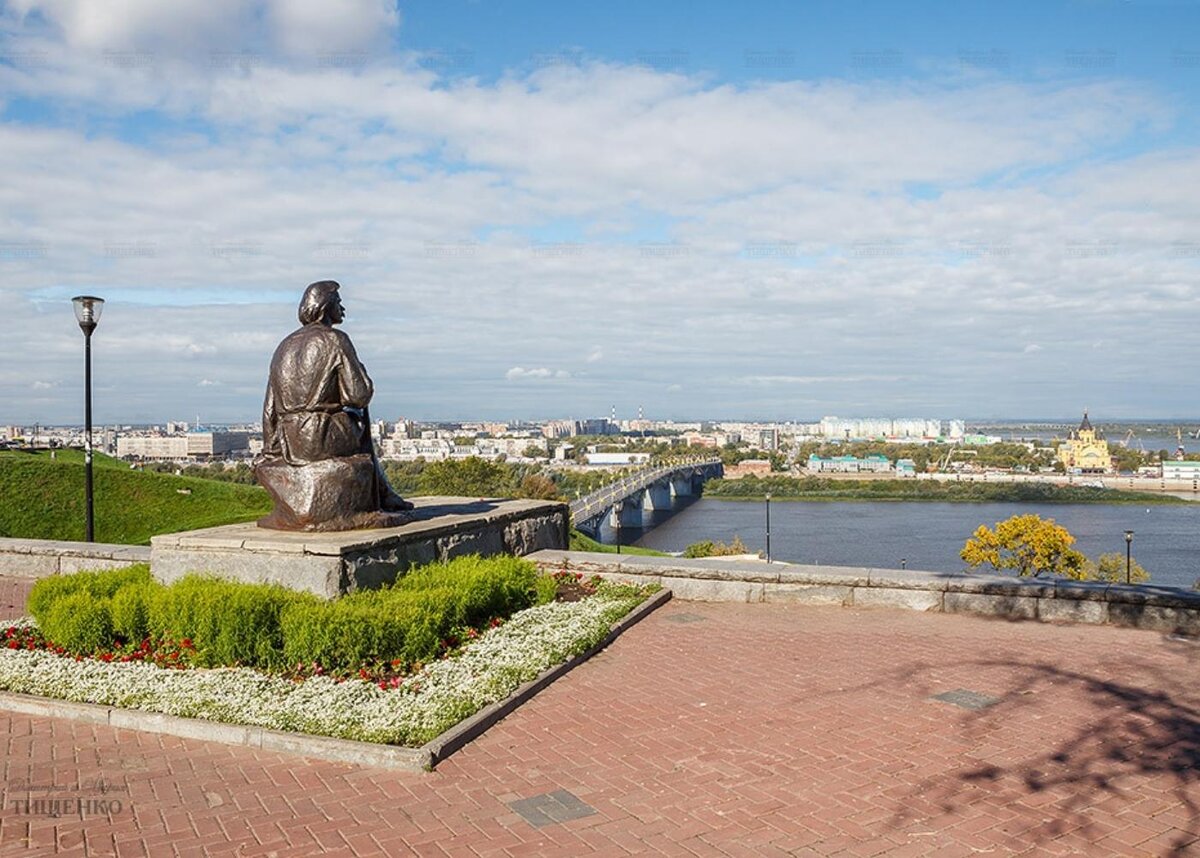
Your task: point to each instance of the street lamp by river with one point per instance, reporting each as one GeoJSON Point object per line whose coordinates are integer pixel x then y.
{"type": "Point", "coordinates": [87, 313]}
{"type": "Point", "coordinates": [768, 527]}
{"type": "Point", "coordinates": [1128, 554]}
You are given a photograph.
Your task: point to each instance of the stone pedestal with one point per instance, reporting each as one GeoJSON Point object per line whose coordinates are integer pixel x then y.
{"type": "Point", "coordinates": [332, 564]}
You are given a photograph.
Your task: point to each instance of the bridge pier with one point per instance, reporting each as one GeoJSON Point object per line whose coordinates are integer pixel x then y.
{"type": "Point", "coordinates": [682, 487]}
{"type": "Point", "coordinates": [627, 513]}
{"type": "Point", "coordinates": [657, 496]}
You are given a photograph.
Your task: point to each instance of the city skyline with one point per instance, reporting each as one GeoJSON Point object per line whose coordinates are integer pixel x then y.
{"type": "Point", "coordinates": [761, 213]}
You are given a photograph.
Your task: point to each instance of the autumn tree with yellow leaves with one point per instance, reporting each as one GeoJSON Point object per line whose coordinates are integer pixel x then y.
{"type": "Point", "coordinates": [1034, 546]}
{"type": "Point", "coordinates": [1029, 544]}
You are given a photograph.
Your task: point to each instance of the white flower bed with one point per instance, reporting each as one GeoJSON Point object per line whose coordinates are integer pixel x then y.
{"type": "Point", "coordinates": [425, 705]}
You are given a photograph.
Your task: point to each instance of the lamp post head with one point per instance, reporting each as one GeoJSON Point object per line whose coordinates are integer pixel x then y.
{"type": "Point", "coordinates": [1129, 536]}
{"type": "Point", "coordinates": [768, 496]}
{"type": "Point", "coordinates": [87, 312]}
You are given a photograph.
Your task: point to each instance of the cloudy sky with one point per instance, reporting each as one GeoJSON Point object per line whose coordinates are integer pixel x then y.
{"type": "Point", "coordinates": [717, 210]}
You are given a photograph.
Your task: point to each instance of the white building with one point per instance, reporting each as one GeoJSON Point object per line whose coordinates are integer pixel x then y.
{"type": "Point", "coordinates": [171, 447]}
{"type": "Point", "coordinates": [1175, 469]}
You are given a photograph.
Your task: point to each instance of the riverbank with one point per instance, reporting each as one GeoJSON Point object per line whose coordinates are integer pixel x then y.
{"type": "Point", "coordinates": [929, 536]}
{"type": "Point", "coordinates": [783, 488]}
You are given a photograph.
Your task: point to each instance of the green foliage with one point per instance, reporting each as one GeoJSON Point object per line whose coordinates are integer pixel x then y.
{"type": "Point", "coordinates": [271, 627]}
{"type": "Point", "coordinates": [582, 542]}
{"type": "Point", "coordinates": [130, 610]}
{"type": "Point", "coordinates": [539, 487]}
{"type": "Point", "coordinates": [1111, 567]}
{"type": "Point", "coordinates": [404, 477]}
{"type": "Point", "coordinates": [410, 620]}
{"type": "Point", "coordinates": [784, 487]}
{"type": "Point", "coordinates": [99, 585]}
{"type": "Point", "coordinates": [545, 589]}
{"type": "Point", "coordinates": [79, 622]}
{"type": "Point", "coordinates": [709, 548]}
{"type": "Point", "coordinates": [228, 622]}
{"type": "Point", "coordinates": [239, 473]}
{"type": "Point", "coordinates": [43, 498]}
{"type": "Point", "coordinates": [1028, 544]}
{"type": "Point", "coordinates": [470, 477]}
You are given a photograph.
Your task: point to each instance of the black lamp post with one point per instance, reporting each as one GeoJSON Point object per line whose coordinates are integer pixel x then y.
{"type": "Point", "coordinates": [768, 527]}
{"type": "Point", "coordinates": [617, 525]}
{"type": "Point", "coordinates": [87, 313]}
{"type": "Point", "coordinates": [1128, 554]}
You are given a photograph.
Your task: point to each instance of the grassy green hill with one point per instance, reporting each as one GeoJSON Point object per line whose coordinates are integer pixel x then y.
{"type": "Point", "coordinates": [42, 498]}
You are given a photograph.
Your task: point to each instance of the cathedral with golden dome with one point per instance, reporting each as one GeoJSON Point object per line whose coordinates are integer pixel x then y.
{"type": "Point", "coordinates": [1085, 451]}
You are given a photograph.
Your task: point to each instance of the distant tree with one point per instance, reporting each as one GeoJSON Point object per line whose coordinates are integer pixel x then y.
{"type": "Point", "coordinates": [1128, 460]}
{"type": "Point", "coordinates": [534, 452]}
{"type": "Point", "coordinates": [1028, 544]}
{"type": "Point", "coordinates": [708, 548]}
{"type": "Point", "coordinates": [1111, 567]}
{"type": "Point", "coordinates": [470, 477]}
{"type": "Point", "coordinates": [404, 477]}
{"type": "Point", "coordinates": [539, 487]}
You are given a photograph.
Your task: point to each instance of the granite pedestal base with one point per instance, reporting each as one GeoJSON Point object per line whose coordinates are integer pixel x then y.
{"type": "Point", "coordinates": [332, 564]}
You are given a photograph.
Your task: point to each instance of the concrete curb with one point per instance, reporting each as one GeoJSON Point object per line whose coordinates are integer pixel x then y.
{"type": "Point", "coordinates": [316, 747]}
{"type": "Point", "coordinates": [372, 754]}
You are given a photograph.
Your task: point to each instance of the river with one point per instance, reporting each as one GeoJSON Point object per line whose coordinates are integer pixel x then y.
{"type": "Point", "coordinates": [924, 535]}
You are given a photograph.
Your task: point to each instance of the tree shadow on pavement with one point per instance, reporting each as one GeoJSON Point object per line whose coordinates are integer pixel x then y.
{"type": "Point", "coordinates": [1134, 729]}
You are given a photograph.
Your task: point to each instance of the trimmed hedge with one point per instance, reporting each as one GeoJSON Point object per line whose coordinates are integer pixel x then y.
{"type": "Point", "coordinates": [271, 627]}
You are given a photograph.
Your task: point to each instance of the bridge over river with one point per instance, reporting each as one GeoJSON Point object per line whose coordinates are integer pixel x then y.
{"type": "Point", "coordinates": [653, 488]}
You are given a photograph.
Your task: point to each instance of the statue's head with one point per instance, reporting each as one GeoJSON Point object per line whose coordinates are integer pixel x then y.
{"type": "Point", "coordinates": [321, 303]}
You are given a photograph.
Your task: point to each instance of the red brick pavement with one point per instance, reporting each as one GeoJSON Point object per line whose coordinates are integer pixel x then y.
{"type": "Point", "coordinates": [706, 730]}
{"type": "Point", "coordinates": [13, 594]}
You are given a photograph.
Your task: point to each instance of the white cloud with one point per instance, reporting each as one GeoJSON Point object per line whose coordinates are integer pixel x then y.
{"type": "Point", "coordinates": [520, 374]}
{"type": "Point", "coordinates": [421, 194]}
{"type": "Point", "coordinates": [1032, 348]}
{"type": "Point", "coordinates": [327, 29]}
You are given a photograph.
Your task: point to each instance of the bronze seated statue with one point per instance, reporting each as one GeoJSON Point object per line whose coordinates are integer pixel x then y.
{"type": "Point", "coordinates": [318, 460]}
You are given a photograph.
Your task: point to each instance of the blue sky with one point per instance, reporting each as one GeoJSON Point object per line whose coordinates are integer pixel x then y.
{"type": "Point", "coordinates": [767, 210]}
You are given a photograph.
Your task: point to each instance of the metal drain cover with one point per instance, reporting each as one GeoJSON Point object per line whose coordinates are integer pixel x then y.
{"type": "Point", "coordinates": [684, 618]}
{"type": "Point", "coordinates": [551, 808]}
{"type": "Point", "coordinates": [966, 699]}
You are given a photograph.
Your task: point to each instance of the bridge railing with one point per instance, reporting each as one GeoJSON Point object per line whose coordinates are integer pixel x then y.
{"type": "Point", "coordinates": [599, 501]}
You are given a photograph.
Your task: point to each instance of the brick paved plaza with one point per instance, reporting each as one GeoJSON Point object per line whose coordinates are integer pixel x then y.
{"type": "Point", "coordinates": [708, 729]}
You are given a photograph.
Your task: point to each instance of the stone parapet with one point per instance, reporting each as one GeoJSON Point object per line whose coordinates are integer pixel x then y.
{"type": "Point", "coordinates": [332, 564]}
{"type": "Point", "coordinates": [38, 558]}
{"type": "Point", "coordinates": [1168, 609]}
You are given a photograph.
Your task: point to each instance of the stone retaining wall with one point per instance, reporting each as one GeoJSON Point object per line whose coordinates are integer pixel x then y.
{"type": "Point", "coordinates": [37, 558]}
{"type": "Point", "coordinates": [1167, 609]}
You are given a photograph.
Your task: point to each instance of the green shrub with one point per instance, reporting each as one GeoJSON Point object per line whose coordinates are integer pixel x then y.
{"type": "Point", "coordinates": [270, 627]}
{"type": "Point", "coordinates": [409, 620]}
{"type": "Point", "coordinates": [228, 622]}
{"type": "Point", "coordinates": [130, 608]}
{"type": "Point", "coordinates": [101, 585]}
{"type": "Point", "coordinates": [708, 548]}
{"type": "Point", "coordinates": [546, 588]}
{"type": "Point", "coordinates": [345, 634]}
{"type": "Point", "coordinates": [79, 622]}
